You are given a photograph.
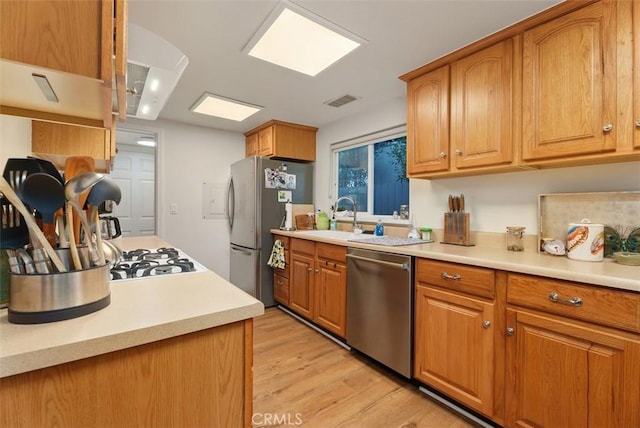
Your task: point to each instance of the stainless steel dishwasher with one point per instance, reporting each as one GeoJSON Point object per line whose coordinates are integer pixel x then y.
{"type": "Point", "coordinates": [379, 307]}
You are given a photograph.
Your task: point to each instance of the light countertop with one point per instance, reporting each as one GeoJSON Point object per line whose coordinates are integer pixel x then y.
{"type": "Point", "coordinates": [141, 311]}
{"type": "Point", "coordinates": [607, 273]}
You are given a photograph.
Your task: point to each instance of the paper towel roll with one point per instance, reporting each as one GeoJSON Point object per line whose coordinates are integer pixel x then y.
{"type": "Point", "coordinates": [288, 212]}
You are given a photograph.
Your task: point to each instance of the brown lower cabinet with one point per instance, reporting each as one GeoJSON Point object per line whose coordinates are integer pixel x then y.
{"type": "Point", "coordinates": [573, 361]}
{"type": "Point", "coordinates": [457, 334]}
{"type": "Point", "coordinates": [316, 284]}
{"type": "Point", "coordinates": [160, 384]}
{"type": "Point", "coordinates": [525, 350]}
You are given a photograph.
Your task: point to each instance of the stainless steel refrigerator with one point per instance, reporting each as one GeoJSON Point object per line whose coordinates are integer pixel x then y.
{"type": "Point", "coordinates": [258, 190]}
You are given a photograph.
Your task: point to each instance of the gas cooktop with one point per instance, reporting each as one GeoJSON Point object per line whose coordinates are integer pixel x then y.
{"type": "Point", "coordinates": [142, 263]}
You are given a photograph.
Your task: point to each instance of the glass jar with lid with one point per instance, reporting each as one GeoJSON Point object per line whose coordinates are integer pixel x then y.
{"type": "Point", "coordinates": [515, 238]}
{"type": "Point", "coordinates": [404, 212]}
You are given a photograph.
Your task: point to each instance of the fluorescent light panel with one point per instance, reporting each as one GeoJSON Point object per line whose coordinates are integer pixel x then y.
{"type": "Point", "coordinates": [226, 108]}
{"type": "Point", "coordinates": [297, 39]}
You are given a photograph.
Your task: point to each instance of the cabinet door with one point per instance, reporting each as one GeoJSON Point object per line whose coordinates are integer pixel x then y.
{"type": "Point", "coordinates": [428, 122]}
{"type": "Point", "coordinates": [251, 145]}
{"type": "Point", "coordinates": [566, 374]}
{"type": "Point", "coordinates": [569, 85]}
{"type": "Point", "coordinates": [281, 289]}
{"type": "Point", "coordinates": [265, 141]}
{"type": "Point", "coordinates": [636, 73]}
{"type": "Point", "coordinates": [301, 284]}
{"type": "Point", "coordinates": [454, 349]}
{"type": "Point", "coordinates": [331, 296]}
{"type": "Point", "coordinates": [59, 35]}
{"type": "Point", "coordinates": [481, 108]}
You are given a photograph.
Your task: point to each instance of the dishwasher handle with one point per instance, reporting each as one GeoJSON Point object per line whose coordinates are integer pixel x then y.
{"type": "Point", "coordinates": [404, 266]}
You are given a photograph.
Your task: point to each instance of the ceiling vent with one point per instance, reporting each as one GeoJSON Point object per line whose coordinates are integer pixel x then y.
{"type": "Point", "coordinates": [154, 67]}
{"type": "Point", "coordinates": [340, 101]}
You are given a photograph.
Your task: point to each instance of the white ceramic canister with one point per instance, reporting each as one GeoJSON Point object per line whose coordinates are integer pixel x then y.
{"type": "Point", "coordinates": [585, 241]}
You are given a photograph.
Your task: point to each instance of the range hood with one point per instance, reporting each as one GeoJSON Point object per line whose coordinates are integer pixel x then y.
{"type": "Point", "coordinates": [154, 67]}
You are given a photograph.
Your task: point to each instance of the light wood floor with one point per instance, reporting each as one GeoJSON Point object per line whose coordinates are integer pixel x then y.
{"type": "Point", "coordinates": [301, 378]}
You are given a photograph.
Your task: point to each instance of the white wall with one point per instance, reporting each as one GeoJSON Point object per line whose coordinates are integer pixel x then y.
{"type": "Point", "coordinates": [189, 156]}
{"type": "Point", "coordinates": [494, 201]}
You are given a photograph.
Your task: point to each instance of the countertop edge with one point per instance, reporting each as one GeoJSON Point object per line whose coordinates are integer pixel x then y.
{"type": "Point", "coordinates": [42, 358]}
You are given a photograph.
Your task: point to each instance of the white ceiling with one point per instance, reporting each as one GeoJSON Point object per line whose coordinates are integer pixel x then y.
{"type": "Point", "coordinates": [402, 35]}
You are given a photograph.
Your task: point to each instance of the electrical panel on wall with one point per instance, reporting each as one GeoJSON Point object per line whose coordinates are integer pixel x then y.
{"type": "Point", "coordinates": [213, 200]}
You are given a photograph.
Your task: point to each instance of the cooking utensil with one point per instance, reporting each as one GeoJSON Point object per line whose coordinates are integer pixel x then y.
{"type": "Point", "coordinates": [27, 261]}
{"type": "Point", "coordinates": [103, 190]}
{"type": "Point", "coordinates": [44, 193]}
{"type": "Point", "coordinates": [75, 187]}
{"type": "Point", "coordinates": [10, 194]}
{"type": "Point", "coordinates": [58, 217]}
{"type": "Point", "coordinates": [16, 170]}
{"type": "Point", "coordinates": [112, 253]}
{"type": "Point", "coordinates": [73, 166]}
{"type": "Point", "coordinates": [13, 233]}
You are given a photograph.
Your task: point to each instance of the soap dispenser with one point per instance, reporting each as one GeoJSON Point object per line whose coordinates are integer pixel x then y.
{"type": "Point", "coordinates": [379, 228]}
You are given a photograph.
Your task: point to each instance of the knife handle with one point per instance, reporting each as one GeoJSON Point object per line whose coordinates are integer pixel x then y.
{"type": "Point", "coordinates": [450, 203]}
{"type": "Point", "coordinates": [461, 207]}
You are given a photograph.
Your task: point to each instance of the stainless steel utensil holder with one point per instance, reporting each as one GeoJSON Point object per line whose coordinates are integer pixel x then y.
{"type": "Point", "coordinates": [42, 298]}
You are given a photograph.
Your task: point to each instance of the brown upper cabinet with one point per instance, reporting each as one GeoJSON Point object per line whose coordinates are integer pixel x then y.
{"type": "Point", "coordinates": [78, 45]}
{"type": "Point", "coordinates": [57, 141]}
{"type": "Point", "coordinates": [569, 79]}
{"type": "Point", "coordinates": [482, 91]}
{"type": "Point", "coordinates": [636, 73]}
{"type": "Point", "coordinates": [428, 122]}
{"type": "Point", "coordinates": [282, 140]}
{"type": "Point", "coordinates": [556, 89]}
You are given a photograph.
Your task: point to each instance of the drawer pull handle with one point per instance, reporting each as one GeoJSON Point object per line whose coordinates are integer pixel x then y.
{"type": "Point", "coordinates": [455, 277]}
{"type": "Point", "coordinates": [555, 298]}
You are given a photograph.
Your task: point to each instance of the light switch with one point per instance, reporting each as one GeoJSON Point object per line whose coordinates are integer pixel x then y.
{"type": "Point", "coordinates": [173, 208]}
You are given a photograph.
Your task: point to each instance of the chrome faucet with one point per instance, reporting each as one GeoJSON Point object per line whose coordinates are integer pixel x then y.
{"type": "Point", "coordinates": [356, 226]}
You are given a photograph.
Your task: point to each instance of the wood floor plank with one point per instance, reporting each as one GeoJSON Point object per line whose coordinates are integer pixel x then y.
{"type": "Point", "coordinates": [302, 378]}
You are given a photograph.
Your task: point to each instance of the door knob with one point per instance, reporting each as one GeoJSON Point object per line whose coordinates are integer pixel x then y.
{"type": "Point", "coordinates": [510, 331]}
{"type": "Point", "coordinates": [608, 127]}
{"type": "Point", "coordinates": [486, 324]}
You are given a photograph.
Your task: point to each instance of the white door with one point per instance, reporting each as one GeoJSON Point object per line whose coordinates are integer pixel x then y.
{"type": "Point", "coordinates": [134, 171]}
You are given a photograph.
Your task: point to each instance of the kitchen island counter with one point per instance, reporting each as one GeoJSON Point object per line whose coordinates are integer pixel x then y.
{"type": "Point", "coordinates": [607, 273]}
{"type": "Point", "coordinates": [170, 350]}
{"type": "Point", "coordinates": [141, 311]}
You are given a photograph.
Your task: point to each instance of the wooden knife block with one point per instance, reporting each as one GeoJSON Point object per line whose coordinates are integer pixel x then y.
{"type": "Point", "coordinates": [457, 229]}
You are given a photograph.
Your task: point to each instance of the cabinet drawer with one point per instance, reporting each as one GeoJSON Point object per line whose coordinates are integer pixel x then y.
{"type": "Point", "coordinates": [614, 308]}
{"type": "Point", "coordinates": [337, 253]}
{"type": "Point", "coordinates": [281, 289]}
{"type": "Point", "coordinates": [302, 246]}
{"type": "Point", "coordinates": [452, 276]}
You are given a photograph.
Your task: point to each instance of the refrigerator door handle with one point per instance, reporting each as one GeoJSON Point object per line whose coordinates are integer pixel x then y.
{"type": "Point", "coordinates": [241, 251]}
{"type": "Point", "coordinates": [231, 204]}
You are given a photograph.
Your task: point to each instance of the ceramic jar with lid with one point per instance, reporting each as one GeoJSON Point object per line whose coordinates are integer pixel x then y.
{"type": "Point", "coordinates": [585, 241]}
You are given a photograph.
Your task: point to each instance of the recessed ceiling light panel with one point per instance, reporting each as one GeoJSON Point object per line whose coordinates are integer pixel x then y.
{"type": "Point", "coordinates": [297, 39]}
{"type": "Point", "coordinates": [226, 108]}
